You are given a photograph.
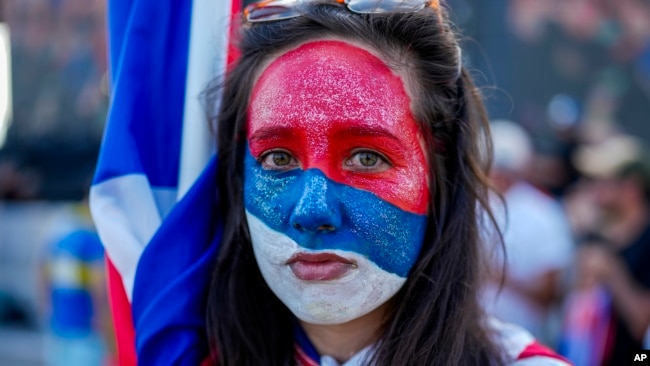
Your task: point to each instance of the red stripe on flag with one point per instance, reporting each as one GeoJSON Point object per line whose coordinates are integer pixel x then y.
{"type": "Point", "coordinates": [122, 319]}
{"type": "Point", "coordinates": [536, 349]}
{"type": "Point", "coordinates": [235, 16]}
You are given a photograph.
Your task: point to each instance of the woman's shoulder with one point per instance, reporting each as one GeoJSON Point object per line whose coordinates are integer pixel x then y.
{"type": "Point", "coordinates": [521, 348]}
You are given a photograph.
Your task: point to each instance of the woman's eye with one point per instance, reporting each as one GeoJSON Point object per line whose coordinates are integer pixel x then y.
{"type": "Point", "coordinates": [281, 158]}
{"type": "Point", "coordinates": [367, 161]}
{"type": "Point", "coordinates": [278, 160]}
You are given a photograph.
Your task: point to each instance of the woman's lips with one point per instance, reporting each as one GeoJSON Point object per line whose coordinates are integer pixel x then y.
{"type": "Point", "coordinates": [319, 266]}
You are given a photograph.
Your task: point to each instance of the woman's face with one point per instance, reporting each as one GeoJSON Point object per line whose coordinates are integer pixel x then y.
{"type": "Point", "coordinates": [335, 190]}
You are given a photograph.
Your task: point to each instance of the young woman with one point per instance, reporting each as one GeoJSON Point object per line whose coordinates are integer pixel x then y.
{"type": "Point", "coordinates": [352, 151]}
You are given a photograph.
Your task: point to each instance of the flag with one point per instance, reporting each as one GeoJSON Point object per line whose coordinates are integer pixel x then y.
{"type": "Point", "coordinates": [586, 326]}
{"type": "Point", "coordinates": [156, 143]}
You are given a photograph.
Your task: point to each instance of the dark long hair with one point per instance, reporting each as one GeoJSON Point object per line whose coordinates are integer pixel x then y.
{"type": "Point", "coordinates": [435, 318]}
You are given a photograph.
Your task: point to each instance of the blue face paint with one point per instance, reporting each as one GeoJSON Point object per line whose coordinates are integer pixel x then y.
{"type": "Point", "coordinates": [320, 214]}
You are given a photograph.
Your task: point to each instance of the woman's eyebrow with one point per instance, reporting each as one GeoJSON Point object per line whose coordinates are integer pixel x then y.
{"type": "Point", "coordinates": [374, 131]}
{"type": "Point", "coordinates": [273, 132]}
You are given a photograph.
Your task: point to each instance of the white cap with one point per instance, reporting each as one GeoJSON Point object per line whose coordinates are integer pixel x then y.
{"type": "Point", "coordinates": [513, 148]}
{"type": "Point", "coordinates": [606, 158]}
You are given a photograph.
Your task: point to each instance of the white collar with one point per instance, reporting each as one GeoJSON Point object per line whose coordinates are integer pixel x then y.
{"type": "Point", "coordinates": [359, 358]}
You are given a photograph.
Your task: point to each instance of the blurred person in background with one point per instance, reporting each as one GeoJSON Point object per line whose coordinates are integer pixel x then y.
{"type": "Point", "coordinates": [17, 182]}
{"type": "Point", "coordinates": [77, 317]}
{"type": "Point", "coordinates": [614, 258]}
{"type": "Point", "coordinates": [536, 235]}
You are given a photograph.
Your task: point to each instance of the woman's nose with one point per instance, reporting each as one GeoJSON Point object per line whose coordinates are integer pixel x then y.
{"type": "Point", "coordinates": [316, 210]}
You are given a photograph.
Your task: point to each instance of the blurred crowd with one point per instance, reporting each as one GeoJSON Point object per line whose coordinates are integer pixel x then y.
{"type": "Point", "coordinates": [53, 307]}
{"type": "Point", "coordinates": [567, 83]}
{"type": "Point", "coordinates": [598, 56]}
{"type": "Point", "coordinates": [60, 96]}
{"type": "Point", "coordinates": [575, 271]}
{"type": "Point", "coordinates": [574, 174]}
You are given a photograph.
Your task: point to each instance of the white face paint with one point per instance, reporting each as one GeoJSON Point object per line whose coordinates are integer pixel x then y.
{"type": "Point", "coordinates": [359, 290]}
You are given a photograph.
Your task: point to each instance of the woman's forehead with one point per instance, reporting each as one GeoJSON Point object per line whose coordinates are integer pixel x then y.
{"type": "Point", "coordinates": [328, 49]}
{"type": "Point", "coordinates": [351, 45]}
{"type": "Point", "coordinates": [327, 78]}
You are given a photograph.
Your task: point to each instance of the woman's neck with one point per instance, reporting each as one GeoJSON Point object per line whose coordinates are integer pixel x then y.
{"type": "Point", "coordinates": [342, 341]}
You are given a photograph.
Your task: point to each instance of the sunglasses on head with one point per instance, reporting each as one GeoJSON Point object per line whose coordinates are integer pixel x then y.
{"type": "Point", "coordinates": [269, 10]}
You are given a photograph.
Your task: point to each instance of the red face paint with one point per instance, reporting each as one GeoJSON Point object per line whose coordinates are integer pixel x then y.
{"type": "Point", "coordinates": [325, 101]}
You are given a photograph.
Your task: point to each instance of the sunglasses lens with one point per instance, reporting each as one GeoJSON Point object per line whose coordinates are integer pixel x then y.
{"type": "Point", "coordinates": [382, 6]}
{"type": "Point", "coordinates": [271, 10]}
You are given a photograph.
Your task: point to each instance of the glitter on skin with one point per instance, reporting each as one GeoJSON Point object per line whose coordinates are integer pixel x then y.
{"type": "Point", "coordinates": [365, 224]}
{"type": "Point", "coordinates": [336, 97]}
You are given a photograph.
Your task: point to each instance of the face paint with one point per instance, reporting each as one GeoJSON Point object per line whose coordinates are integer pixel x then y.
{"type": "Point", "coordinates": [335, 183]}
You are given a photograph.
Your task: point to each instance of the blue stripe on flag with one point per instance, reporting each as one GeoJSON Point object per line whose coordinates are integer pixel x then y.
{"type": "Point", "coordinates": [169, 296]}
{"type": "Point", "coordinates": [148, 64]}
